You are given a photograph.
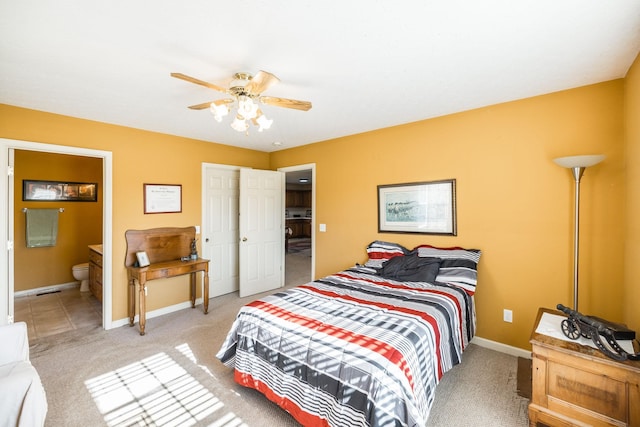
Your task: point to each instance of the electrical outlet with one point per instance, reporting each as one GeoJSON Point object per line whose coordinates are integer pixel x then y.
{"type": "Point", "coordinates": [508, 316]}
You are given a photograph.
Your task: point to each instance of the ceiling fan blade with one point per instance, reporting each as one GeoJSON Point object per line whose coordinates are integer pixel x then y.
{"type": "Point", "coordinates": [286, 103]}
{"type": "Point", "coordinates": [201, 106]}
{"type": "Point", "coordinates": [261, 82]}
{"type": "Point", "coordinates": [198, 82]}
{"type": "Point", "coordinates": [205, 105]}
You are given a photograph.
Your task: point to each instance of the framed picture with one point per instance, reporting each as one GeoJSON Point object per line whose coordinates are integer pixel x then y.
{"type": "Point", "coordinates": [419, 207]}
{"type": "Point", "coordinates": [143, 259]}
{"type": "Point", "coordinates": [162, 198]}
{"type": "Point", "coordinates": [46, 191]}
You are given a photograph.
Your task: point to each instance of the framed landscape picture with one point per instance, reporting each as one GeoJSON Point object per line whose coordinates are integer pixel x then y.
{"type": "Point", "coordinates": [419, 207]}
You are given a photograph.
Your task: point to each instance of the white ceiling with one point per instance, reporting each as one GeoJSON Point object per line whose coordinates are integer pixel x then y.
{"type": "Point", "coordinates": [364, 64]}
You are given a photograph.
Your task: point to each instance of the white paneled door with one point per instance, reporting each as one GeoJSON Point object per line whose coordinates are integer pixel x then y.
{"type": "Point", "coordinates": [261, 231]}
{"type": "Point", "coordinates": [220, 230]}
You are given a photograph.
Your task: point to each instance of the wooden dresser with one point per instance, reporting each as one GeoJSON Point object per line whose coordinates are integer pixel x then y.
{"type": "Point", "coordinates": [577, 385]}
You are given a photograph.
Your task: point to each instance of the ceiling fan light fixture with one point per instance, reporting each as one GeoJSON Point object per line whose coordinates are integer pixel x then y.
{"type": "Point", "coordinates": [239, 124]}
{"type": "Point", "coordinates": [219, 111]}
{"type": "Point", "coordinates": [264, 123]}
{"type": "Point", "coordinates": [247, 108]}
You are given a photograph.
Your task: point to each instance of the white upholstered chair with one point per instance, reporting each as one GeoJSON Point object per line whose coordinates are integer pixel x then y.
{"type": "Point", "coordinates": [22, 398]}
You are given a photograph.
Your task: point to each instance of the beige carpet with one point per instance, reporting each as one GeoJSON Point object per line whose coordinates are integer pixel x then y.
{"type": "Point", "coordinates": [170, 376]}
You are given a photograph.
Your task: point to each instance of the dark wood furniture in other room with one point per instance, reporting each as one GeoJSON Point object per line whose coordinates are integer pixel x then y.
{"type": "Point", "coordinates": [164, 247]}
{"type": "Point", "coordinates": [577, 385]}
{"type": "Point", "coordinates": [95, 271]}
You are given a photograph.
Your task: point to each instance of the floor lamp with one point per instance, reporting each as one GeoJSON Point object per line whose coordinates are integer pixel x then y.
{"type": "Point", "coordinates": [577, 165]}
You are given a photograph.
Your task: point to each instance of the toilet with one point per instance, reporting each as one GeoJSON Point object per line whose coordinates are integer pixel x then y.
{"type": "Point", "coordinates": [81, 272]}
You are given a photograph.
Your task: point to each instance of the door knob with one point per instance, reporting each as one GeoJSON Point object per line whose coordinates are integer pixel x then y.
{"type": "Point", "coordinates": [206, 240]}
{"type": "Point", "coordinates": [244, 239]}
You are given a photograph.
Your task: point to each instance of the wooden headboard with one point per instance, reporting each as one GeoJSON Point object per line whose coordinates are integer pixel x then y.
{"type": "Point", "coordinates": [160, 244]}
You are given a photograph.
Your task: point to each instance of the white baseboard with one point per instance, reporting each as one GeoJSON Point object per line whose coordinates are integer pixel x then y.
{"type": "Point", "coordinates": [503, 348]}
{"type": "Point", "coordinates": [45, 289]}
{"type": "Point", "coordinates": [156, 313]}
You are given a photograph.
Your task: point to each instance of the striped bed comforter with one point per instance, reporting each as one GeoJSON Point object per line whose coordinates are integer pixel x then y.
{"type": "Point", "coordinates": [351, 349]}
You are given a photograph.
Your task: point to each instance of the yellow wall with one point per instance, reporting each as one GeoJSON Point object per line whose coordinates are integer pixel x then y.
{"type": "Point", "coordinates": [514, 203]}
{"type": "Point", "coordinates": [79, 225]}
{"type": "Point", "coordinates": [138, 157]}
{"type": "Point", "coordinates": [632, 163]}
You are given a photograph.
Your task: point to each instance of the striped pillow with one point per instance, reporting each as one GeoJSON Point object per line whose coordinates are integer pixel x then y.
{"type": "Point", "coordinates": [379, 252]}
{"type": "Point", "coordinates": [459, 266]}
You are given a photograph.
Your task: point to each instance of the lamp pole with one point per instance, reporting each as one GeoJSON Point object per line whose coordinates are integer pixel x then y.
{"type": "Point", "coordinates": [577, 164]}
{"type": "Point", "coordinates": [577, 174]}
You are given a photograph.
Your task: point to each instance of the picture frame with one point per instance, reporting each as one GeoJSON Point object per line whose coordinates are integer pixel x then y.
{"type": "Point", "coordinates": [162, 198]}
{"type": "Point", "coordinates": [418, 207]}
{"type": "Point", "coordinates": [143, 259]}
{"type": "Point", "coordinates": [61, 191]}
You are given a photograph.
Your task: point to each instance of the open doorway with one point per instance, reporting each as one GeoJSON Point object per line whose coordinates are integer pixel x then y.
{"type": "Point", "coordinates": [299, 224]}
{"type": "Point", "coordinates": [53, 292]}
{"type": "Point", "coordinates": [7, 235]}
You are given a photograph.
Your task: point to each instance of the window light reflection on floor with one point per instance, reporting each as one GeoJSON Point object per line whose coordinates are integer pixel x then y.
{"type": "Point", "coordinates": [155, 391]}
{"type": "Point", "coordinates": [188, 353]}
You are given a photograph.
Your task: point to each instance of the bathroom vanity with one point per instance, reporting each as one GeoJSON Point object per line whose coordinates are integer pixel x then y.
{"type": "Point", "coordinates": [95, 271]}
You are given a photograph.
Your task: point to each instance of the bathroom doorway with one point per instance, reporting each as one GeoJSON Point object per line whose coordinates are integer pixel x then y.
{"type": "Point", "coordinates": [299, 224]}
{"type": "Point", "coordinates": [49, 265]}
{"type": "Point", "coordinates": [8, 149]}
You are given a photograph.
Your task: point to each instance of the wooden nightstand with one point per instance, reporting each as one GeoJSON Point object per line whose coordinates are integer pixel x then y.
{"type": "Point", "coordinates": [576, 385]}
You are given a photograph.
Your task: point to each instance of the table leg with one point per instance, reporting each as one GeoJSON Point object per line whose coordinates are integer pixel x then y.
{"type": "Point", "coordinates": [132, 301]}
{"type": "Point", "coordinates": [192, 284]}
{"type": "Point", "coordinates": [205, 298]}
{"type": "Point", "coordinates": [143, 307]}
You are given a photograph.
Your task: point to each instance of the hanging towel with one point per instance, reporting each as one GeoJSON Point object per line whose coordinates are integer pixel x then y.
{"type": "Point", "coordinates": [42, 227]}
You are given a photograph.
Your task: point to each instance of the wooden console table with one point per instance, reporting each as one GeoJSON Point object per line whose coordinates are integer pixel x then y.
{"type": "Point", "coordinates": [165, 247]}
{"type": "Point", "coordinates": [577, 385]}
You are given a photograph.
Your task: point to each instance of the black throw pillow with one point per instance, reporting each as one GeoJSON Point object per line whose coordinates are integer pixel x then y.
{"type": "Point", "coordinates": [411, 268]}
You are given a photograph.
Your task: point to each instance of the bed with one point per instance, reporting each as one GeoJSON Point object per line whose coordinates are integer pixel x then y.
{"type": "Point", "coordinates": [365, 346]}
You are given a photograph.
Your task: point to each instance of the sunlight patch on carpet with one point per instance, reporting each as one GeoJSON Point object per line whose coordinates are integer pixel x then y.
{"type": "Point", "coordinates": [188, 353]}
{"type": "Point", "coordinates": [153, 391]}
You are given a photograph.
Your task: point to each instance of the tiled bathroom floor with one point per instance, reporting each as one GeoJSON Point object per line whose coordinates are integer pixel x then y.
{"type": "Point", "coordinates": [69, 309]}
{"type": "Point", "coordinates": [58, 312]}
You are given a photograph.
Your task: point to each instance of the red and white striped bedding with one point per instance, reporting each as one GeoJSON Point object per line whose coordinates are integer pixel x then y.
{"type": "Point", "coordinates": [351, 349]}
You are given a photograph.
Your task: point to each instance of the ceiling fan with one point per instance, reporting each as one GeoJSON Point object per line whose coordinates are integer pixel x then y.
{"type": "Point", "coordinates": [246, 92]}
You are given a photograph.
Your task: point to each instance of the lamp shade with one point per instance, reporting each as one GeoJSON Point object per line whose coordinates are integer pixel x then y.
{"type": "Point", "coordinates": [579, 161]}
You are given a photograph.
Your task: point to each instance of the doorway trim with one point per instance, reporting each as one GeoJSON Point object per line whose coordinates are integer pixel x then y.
{"type": "Point", "coordinates": [312, 167]}
{"type": "Point", "coordinates": [6, 233]}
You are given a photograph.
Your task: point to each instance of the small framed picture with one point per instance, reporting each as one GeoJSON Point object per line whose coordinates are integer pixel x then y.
{"type": "Point", "coordinates": [143, 259]}
{"type": "Point", "coordinates": [162, 198]}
